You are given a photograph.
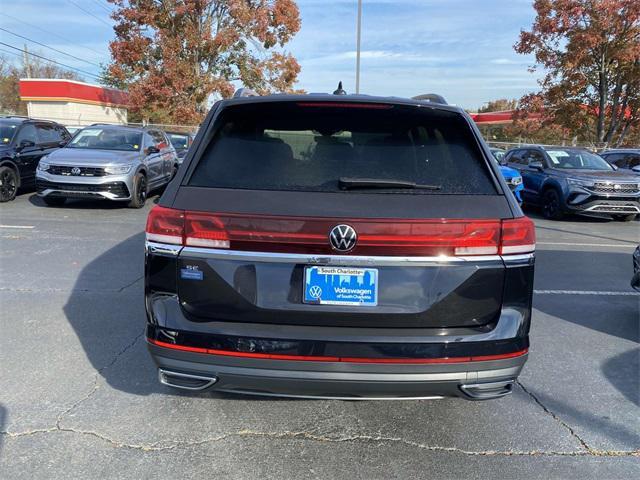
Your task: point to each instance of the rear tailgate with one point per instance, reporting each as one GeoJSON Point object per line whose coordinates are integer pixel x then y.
{"type": "Point", "coordinates": [256, 212]}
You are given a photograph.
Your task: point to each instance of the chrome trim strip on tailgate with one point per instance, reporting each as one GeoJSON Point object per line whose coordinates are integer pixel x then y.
{"type": "Point", "coordinates": [350, 260]}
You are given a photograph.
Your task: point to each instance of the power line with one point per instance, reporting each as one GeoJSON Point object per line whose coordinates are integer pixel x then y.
{"type": "Point", "coordinates": [52, 61]}
{"type": "Point", "coordinates": [89, 13]}
{"type": "Point", "coordinates": [50, 33]}
{"type": "Point", "coordinates": [102, 6]}
{"type": "Point", "coordinates": [10, 53]}
{"type": "Point", "coordinates": [50, 48]}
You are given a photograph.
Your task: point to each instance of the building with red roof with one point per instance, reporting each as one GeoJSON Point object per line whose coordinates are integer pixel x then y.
{"type": "Point", "coordinates": [70, 102]}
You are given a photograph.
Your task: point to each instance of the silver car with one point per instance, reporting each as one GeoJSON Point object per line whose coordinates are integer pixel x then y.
{"type": "Point", "coordinates": [108, 162]}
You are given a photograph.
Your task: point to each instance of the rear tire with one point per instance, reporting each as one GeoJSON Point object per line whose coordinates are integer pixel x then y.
{"type": "Point", "coordinates": [140, 191]}
{"type": "Point", "coordinates": [625, 218]}
{"type": "Point", "coordinates": [54, 201]}
{"type": "Point", "coordinates": [551, 205]}
{"type": "Point", "coordinates": [8, 184]}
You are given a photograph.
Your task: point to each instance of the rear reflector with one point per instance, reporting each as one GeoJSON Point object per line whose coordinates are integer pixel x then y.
{"type": "Point", "coordinates": [438, 237]}
{"type": "Point", "coordinates": [317, 358]}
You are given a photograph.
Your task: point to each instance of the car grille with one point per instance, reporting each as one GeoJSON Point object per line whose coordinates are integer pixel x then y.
{"type": "Point", "coordinates": [610, 206]}
{"type": "Point", "coordinates": [84, 171]}
{"type": "Point", "coordinates": [119, 189]}
{"type": "Point", "coordinates": [609, 187]}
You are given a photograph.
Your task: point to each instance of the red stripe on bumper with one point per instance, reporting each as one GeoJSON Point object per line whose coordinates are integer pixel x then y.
{"type": "Point", "coordinates": [311, 358]}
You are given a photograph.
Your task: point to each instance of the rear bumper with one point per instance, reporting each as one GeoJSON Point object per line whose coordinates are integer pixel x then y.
{"type": "Point", "coordinates": [471, 380]}
{"type": "Point", "coordinates": [350, 363]}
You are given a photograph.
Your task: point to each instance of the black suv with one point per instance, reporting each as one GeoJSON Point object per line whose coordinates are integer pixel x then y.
{"type": "Point", "coordinates": [339, 247]}
{"type": "Point", "coordinates": [574, 180]}
{"type": "Point", "coordinates": [23, 142]}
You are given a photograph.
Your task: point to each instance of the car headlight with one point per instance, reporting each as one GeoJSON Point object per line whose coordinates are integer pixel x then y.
{"type": "Point", "coordinates": [43, 166]}
{"type": "Point", "coordinates": [515, 181]}
{"type": "Point", "coordinates": [577, 182]}
{"type": "Point", "coordinates": [117, 169]}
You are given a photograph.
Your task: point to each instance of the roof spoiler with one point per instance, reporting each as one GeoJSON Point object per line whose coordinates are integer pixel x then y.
{"type": "Point", "coordinates": [431, 97]}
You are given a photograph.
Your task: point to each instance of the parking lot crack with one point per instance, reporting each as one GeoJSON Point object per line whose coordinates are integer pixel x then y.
{"type": "Point", "coordinates": [310, 436]}
{"type": "Point", "coordinates": [553, 415]}
{"type": "Point", "coordinates": [130, 284]}
{"type": "Point", "coordinates": [96, 385]}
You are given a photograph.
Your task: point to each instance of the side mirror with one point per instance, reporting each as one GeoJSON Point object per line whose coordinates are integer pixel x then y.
{"type": "Point", "coordinates": [26, 144]}
{"type": "Point", "coordinates": [536, 166]}
{"type": "Point", "coordinates": [151, 150]}
{"type": "Point", "coordinates": [62, 143]}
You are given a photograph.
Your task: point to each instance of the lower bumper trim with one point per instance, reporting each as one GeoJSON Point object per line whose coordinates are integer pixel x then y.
{"type": "Point", "coordinates": [316, 358]}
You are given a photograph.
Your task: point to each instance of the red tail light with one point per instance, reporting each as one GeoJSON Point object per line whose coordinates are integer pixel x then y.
{"type": "Point", "coordinates": [518, 236]}
{"type": "Point", "coordinates": [204, 230]}
{"type": "Point", "coordinates": [440, 237]}
{"type": "Point", "coordinates": [165, 225]}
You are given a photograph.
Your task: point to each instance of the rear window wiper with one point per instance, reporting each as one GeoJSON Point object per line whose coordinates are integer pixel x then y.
{"type": "Point", "coordinates": [374, 183]}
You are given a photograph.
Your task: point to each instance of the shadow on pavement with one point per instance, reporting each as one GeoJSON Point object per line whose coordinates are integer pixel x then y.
{"type": "Point", "coordinates": [623, 372]}
{"type": "Point", "coordinates": [535, 214]}
{"type": "Point", "coordinates": [106, 311]}
{"type": "Point", "coordinates": [565, 226]}
{"type": "Point", "coordinates": [82, 204]}
{"type": "Point", "coordinates": [625, 434]}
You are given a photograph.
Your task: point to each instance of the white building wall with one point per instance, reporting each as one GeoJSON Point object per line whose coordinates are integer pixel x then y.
{"type": "Point", "coordinates": [76, 114]}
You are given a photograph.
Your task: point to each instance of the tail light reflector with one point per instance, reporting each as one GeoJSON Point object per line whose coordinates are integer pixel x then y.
{"type": "Point", "coordinates": [436, 237]}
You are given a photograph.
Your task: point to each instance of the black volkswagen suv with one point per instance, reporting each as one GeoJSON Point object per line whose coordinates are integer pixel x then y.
{"type": "Point", "coordinates": [339, 247]}
{"type": "Point", "coordinates": [23, 142]}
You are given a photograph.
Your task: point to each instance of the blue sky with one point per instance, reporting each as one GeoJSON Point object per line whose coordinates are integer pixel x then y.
{"type": "Point", "coordinates": [462, 49]}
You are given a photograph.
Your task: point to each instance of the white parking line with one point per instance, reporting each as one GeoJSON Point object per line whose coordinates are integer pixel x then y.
{"type": "Point", "coordinates": [619, 245]}
{"type": "Point", "coordinates": [18, 226]}
{"type": "Point", "coordinates": [585, 292]}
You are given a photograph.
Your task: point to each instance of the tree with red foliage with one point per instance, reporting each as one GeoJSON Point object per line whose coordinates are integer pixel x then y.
{"type": "Point", "coordinates": [172, 55]}
{"type": "Point", "coordinates": [590, 51]}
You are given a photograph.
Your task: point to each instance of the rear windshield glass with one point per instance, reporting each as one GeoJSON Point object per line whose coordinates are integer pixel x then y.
{"type": "Point", "coordinates": [322, 148]}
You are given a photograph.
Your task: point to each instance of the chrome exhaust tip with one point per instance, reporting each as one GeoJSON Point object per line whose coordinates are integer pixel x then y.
{"type": "Point", "coordinates": [185, 381]}
{"type": "Point", "coordinates": [487, 391]}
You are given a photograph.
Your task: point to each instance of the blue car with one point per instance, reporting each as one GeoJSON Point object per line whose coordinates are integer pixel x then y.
{"type": "Point", "coordinates": [511, 175]}
{"type": "Point", "coordinates": [564, 180]}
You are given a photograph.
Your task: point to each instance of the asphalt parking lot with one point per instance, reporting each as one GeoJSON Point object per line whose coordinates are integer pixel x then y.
{"type": "Point", "coordinates": [79, 396]}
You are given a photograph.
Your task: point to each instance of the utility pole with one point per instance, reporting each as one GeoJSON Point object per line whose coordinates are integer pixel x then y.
{"type": "Point", "coordinates": [25, 60]}
{"type": "Point", "coordinates": [358, 34]}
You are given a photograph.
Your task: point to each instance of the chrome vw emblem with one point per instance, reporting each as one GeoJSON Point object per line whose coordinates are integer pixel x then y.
{"type": "Point", "coordinates": [343, 238]}
{"type": "Point", "coordinates": [315, 291]}
{"type": "Point", "coordinates": [75, 171]}
{"type": "Point", "coordinates": [617, 187]}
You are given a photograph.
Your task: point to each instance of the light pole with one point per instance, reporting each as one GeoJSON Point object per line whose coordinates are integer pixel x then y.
{"type": "Point", "coordinates": [358, 32]}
